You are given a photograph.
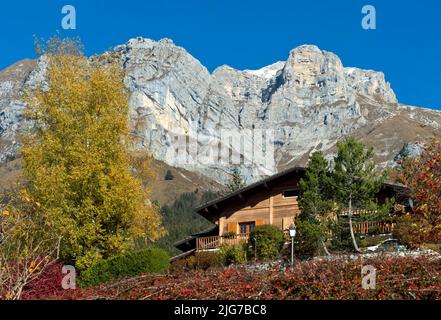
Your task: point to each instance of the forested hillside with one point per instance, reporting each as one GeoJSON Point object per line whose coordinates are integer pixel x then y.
{"type": "Point", "coordinates": [181, 220]}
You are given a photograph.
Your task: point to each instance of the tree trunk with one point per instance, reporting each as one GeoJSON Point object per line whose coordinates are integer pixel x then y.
{"type": "Point", "coordinates": [326, 249]}
{"type": "Point", "coordinates": [351, 229]}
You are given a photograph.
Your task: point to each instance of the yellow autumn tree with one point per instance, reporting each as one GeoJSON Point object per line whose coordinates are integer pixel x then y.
{"type": "Point", "coordinates": [77, 161]}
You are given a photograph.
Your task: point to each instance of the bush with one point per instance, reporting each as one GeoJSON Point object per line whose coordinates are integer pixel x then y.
{"type": "Point", "coordinates": [48, 284]}
{"type": "Point", "coordinates": [149, 260]}
{"type": "Point", "coordinates": [229, 234]}
{"type": "Point", "coordinates": [266, 242]}
{"type": "Point", "coordinates": [415, 230]}
{"type": "Point", "coordinates": [310, 237]}
{"type": "Point", "coordinates": [201, 260]}
{"type": "Point", "coordinates": [205, 260]}
{"type": "Point", "coordinates": [409, 231]}
{"type": "Point", "coordinates": [233, 254]}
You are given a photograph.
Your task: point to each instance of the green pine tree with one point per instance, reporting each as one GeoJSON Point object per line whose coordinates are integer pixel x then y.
{"type": "Point", "coordinates": [315, 204]}
{"type": "Point", "coordinates": [236, 181]}
{"type": "Point", "coordinates": [354, 180]}
{"type": "Point", "coordinates": [314, 188]}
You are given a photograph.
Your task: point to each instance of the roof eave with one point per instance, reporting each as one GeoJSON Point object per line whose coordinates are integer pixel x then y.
{"type": "Point", "coordinates": [252, 186]}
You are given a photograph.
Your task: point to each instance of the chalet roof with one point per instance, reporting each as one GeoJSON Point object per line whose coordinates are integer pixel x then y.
{"type": "Point", "coordinates": [195, 235]}
{"type": "Point", "coordinates": [268, 180]}
{"type": "Point", "coordinates": [190, 242]}
{"type": "Point", "coordinates": [250, 187]}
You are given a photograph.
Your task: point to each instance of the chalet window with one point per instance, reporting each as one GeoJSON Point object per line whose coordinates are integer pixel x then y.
{"type": "Point", "coordinates": [246, 227]}
{"type": "Point", "coordinates": [291, 193]}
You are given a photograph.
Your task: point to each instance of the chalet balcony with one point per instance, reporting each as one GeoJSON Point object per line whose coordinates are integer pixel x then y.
{"type": "Point", "coordinates": [367, 227]}
{"type": "Point", "coordinates": [215, 242]}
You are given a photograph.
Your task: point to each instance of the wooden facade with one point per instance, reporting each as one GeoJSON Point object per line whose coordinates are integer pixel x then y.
{"type": "Point", "coordinates": [271, 201]}
{"type": "Point", "coordinates": [269, 206]}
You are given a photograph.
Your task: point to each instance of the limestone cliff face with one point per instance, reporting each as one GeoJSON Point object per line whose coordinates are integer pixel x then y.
{"type": "Point", "coordinates": [12, 83]}
{"type": "Point", "coordinates": [308, 102]}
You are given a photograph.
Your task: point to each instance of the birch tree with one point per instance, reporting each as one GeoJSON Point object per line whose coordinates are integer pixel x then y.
{"type": "Point", "coordinates": [77, 161]}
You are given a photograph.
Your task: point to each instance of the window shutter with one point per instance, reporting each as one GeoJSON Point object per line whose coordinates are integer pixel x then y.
{"type": "Point", "coordinates": [259, 222]}
{"type": "Point", "coordinates": [232, 227]}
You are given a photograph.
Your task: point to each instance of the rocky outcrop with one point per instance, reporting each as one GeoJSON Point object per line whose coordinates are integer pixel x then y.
{"type": "Point", "coordinates": [12, 83]}
{"type": "Point", "coordinates": [306, 103]}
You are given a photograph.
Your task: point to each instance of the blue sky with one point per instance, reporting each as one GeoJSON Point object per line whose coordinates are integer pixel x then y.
{"type": "Point", "coordinates": [249, 34]}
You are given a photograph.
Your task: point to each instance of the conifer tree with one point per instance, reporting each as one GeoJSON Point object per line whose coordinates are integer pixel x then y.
{"type": "Point", "coordinates": [236, 182]}
{"type": "Point", "coordinates": [354, 180]}
{"type": "Point", "coordinates": [315, 204]}
{"type": "Point", "coordinates": [314, 188]}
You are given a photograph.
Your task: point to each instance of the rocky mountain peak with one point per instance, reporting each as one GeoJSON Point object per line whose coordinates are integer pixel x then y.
{"type": "Point", "coordinates": [307, 102]}
{"type": "Point", "coordinates": [269, 71]}
{"type": "Point", "coordinates": [371, 84]}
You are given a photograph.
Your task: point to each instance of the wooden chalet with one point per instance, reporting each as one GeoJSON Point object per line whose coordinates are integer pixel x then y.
{"type": "Point", "coordinates": [270, 201]}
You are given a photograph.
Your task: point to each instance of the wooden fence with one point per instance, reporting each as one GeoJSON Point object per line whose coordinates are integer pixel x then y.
{"type": "Point", "coordinates": [367, 227]}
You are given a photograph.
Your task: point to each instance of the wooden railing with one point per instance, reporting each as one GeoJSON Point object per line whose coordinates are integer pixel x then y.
{"type": "Point", "coordinates": [366, 227]}
{"type": "Point", "coordinates": [215, 242]}
{"type": "Point", "coordinates": [356, 212]}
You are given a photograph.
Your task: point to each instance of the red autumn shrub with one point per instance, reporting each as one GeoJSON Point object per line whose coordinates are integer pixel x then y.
{"type": "Point", "coordinates": [48, 287]}
{"type": "Point", "coordinates": [48, 284]}
{"type": "Point", "coordinates": [422, 176]}
{"type": "Point", "coordinates": [397, 278]}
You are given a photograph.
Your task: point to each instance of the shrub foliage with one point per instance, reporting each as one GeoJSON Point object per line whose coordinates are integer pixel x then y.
{"type": "Point", "coordinates": [234, 254]}
{"type": "Point", "coordinates": [423, 177]}
{"type": "Point", "coordinates": [309, 238]}
{"type": "Point", "coordinates": [266, 242]}
{"type": "Point", "coordinates": [149, 260]}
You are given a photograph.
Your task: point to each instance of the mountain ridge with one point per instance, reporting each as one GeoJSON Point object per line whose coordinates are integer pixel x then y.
{"type": "Point", "coordinates": [310, 101]}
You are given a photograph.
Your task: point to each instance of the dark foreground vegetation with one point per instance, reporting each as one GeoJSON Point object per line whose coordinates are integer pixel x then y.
{"type": "Point", "coordinates": [397, 278]}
